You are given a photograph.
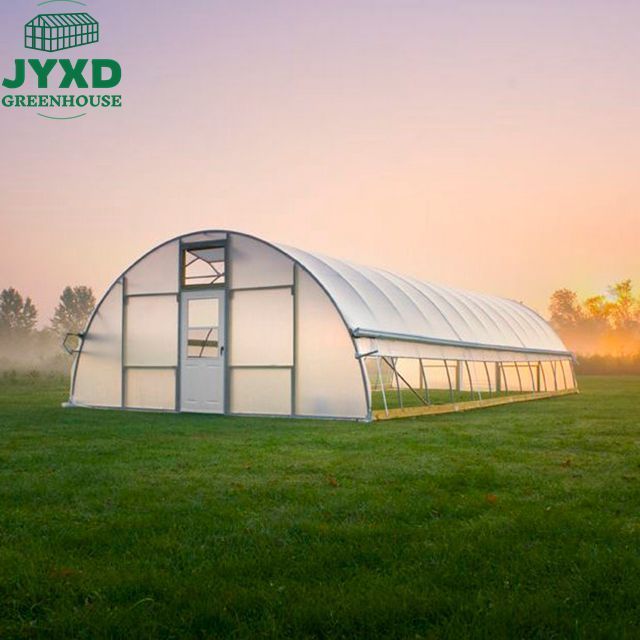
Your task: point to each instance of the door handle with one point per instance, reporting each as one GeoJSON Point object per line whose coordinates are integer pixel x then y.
{"type": "Point", "coordinates": [222, 350]}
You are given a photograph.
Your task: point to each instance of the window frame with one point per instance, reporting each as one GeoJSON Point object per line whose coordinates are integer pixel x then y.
{"type": "Point", "coordinates": [207, 244]}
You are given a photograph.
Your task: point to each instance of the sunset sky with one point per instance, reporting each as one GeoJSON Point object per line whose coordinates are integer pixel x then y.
{"type": "Point", "coordinates": [492, 145]}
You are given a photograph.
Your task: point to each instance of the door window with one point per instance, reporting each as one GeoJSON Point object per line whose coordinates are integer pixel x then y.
{"type": "Point", "coordinates": [203, 322]}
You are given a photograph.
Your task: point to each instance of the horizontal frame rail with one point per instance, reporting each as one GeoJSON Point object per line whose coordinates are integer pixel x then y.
{"type": "Point", "coordinates": [387, 335]}
{"type": "Point", "coordinates": [260, 366]}
{"type": "Point", "coordinates": [453, 407]}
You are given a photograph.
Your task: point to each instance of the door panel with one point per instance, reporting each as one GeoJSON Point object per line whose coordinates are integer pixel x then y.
{"type": "Point", "coordinates": [202, 351]}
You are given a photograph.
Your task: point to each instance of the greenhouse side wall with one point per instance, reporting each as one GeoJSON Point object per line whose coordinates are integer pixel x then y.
{"type": "Point", "coordinates": [329, 378]}
{"type": "Point", "coordinates": [97, 378]}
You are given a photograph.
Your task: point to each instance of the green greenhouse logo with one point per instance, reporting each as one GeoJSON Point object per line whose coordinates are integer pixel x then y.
{"type": "Point", "coordinates": [57, 31]}
{"type": "Point", "coordinates": [58, 86]}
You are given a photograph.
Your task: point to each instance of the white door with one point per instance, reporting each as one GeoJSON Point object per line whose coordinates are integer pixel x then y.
{"type": "Point", "coordinates": [202, 351]}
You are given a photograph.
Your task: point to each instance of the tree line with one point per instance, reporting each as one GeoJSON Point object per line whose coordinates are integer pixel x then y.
{"type": "Point", "coordinates": [23, 345]}
{"type": "Point", "coordinates": [603, 330]}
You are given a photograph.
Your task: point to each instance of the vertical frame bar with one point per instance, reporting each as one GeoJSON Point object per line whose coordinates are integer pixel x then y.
{"type": "Point", "coordinates": [564, 375]}
{"type": "Point", "coordinates": [518, 374]}
{"type": "Point", "coordinates": [426, 382]}
{"type": "Point", "coordinates": [446, 368]}
{"type": "Point", "coordinates": [294, 369]}
{"type": "Point", "coordinates": [227, 325]}
{"type": "Point", "coordinates": [544, 377]}
{"type": "Point", "coordinates": [504, 375]}
{"type": "Point", "coordinates": [466, 364]}
{"type": "Point", "coordinates": [533, 382]}
{"type": "Point", "coordinates": [384, 395]}
{"type": "Point", "coordinates": [486, 370]}
{"type": "Point", "coordinates": [179, 298]}
{"type": "Point", "coordinates": [123, 346]}
{"type": "Point", "coordinates": [395, 372]}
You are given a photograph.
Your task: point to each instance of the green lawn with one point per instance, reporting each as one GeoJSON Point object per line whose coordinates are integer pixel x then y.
{"type": "Point", "coordinates": [520, 521]}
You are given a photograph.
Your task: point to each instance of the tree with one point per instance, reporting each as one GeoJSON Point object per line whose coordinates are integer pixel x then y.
{"type": "Point", "coordinates": [598, 313]}
{"type": "Point", "coordinates": [72, 312]}
{"type": "Point", "coordinates": [16, 315]}
{"type": "Point", "coordinates": [565, 309]}
{"type": "Point", "coordinates": [622, 309]}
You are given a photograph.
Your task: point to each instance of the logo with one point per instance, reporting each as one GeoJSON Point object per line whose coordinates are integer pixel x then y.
{"type": "Point", "coordinates": [56, 31]}
{"type": "Point", "coordinates": [49, 85]}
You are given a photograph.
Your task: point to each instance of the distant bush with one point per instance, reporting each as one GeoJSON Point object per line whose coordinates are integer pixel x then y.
{"type": "Point", "coordinates": [608, 364]}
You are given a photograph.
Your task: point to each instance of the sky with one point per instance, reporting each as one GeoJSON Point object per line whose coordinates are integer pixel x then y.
{"type": "Point", "coordinates": [490, 145]}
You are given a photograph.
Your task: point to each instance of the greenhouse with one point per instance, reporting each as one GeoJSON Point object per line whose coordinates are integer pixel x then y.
{"type": "Point", "coordinates": [226, 323]}
{"type": "Point", "coordinates": [57, 31]}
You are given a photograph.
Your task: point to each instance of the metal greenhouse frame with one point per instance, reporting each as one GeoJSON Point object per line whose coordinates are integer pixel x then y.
{"type": "Point", "coordinates": [58, 31]}
{"type": "Point", "coordinates": [224, 322]}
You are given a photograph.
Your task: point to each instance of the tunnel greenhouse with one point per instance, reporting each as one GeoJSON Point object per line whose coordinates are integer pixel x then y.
{"type": "Point", "coordinates": [222, 322]}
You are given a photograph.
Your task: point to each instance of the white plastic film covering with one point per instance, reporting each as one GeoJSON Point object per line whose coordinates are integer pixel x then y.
{"type": "Point", "coordinates": [98, 380]}
{"type": "Point", "coordinates": [261, 327]}
{"type": "Point", "coordinates": [382, 302]}
{"type": "Point", "coordinates": [151, 389]}
{"type": "Point", "coordinates": [157, 272]}
{"type": "Point", "coordinates": [152, 331]}
{"type": "Point", "coordinates": [256, 264]}
{"type": "Point", "coordinates": [261, 391]}
{"type": "Point", "coordinates": [329, 380]}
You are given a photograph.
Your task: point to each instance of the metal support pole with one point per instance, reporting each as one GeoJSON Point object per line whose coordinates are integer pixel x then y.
{"type": "Point", "coordinates": [426, 383]}
{"type": "Point", "coordinates": [498, 378]}
{"type": "Point", "coordinates": [518, 373]}
{"type": "Point", "coordinates": [446, 368]}
{"type": "Point", "coordinates": [573, 375]}
{"type": "Point", "coordinates": [544, 377]}
{"type": "Point", "coordinates": [486, 370]}
{"type": "Point", "coordinates": [564, 375]}
{"type": "Point", "coordinates": [466, 364]}
{"type": "Point", "coordinates": [533, 383]}
{"type": "Point", "coordinates": [415, 393]}
{"type": "Point", "coordinates": [395, 371]}
{"type": "Point", "coordinates": [384, 395]}
{"type": "Point", "coordinates": [123, 346]}
{"type": "Point", "coordinates": [458, 376]}
{"type": "Point", "coordinates": [504, 375]}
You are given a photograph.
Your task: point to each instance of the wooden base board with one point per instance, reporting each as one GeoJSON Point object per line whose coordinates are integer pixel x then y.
{"type": "Point", "coordinates": [452, 407]}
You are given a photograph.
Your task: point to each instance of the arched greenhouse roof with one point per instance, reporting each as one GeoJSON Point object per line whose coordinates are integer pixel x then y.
{"type": "Point", "coordinates": [379, 304]}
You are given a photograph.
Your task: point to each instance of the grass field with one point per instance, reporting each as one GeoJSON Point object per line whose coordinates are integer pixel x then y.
{"type": "Point", "coordinates": [520, 521]}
